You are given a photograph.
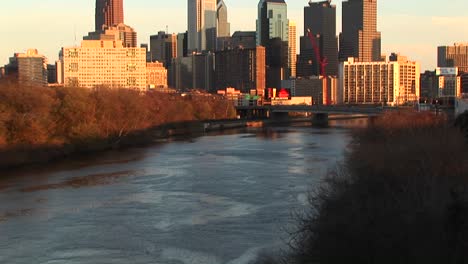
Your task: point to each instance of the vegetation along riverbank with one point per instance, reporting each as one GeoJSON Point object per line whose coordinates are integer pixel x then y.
{"type": "Point", "coordinates": [40, 124]}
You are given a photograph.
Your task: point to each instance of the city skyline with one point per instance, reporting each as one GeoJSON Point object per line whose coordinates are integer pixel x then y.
{"type": "Point", "coordinates": [406, 27]}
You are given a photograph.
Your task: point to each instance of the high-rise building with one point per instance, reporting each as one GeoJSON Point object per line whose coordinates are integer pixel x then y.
{"type": "Point", "coordinates": [394, 81]}
{"type": "Point", "coordinates": [272, 21]}
{"type": "Point", "coordinates": [222, 25]}
{"type": "Point", "coordinates": [292, 56]}
{"type": "Point", "coordinates": [272, 33]}
{"type": "Point", "coordinates": [202, 25]}
{"type": "Point", "coordinates": [182, 44]}
{"type": "Point", "coordinates": [241, 68]}
{"type": "Point", "coordinates": [115, 32]}
{"type": "Point", "coordinates": [103, 62]}
{"type": "Point", "coordinates": [320, 19]}
{"type": "Point", "coordinates": [194, 72]}
{"type": "Point", "coordinates": [454, 56]}
{"type": "Point", "coordinates": [108, 13]}
{"type": "Point", "coordinates": [360, 38]}
{"type": "Point", "coordinates": [313, 86]}
{"type": "Point", "coordinates": [163, 47]}
{"type": "Point", "coordinates": [32, 68]}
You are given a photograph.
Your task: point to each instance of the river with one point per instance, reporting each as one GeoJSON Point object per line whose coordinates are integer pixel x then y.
{"type": "Point", "coordinates": [216, 199]}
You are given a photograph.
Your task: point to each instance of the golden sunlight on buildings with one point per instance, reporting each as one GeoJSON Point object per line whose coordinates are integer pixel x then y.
{"type": "Point", "coordinates": [102, 62]}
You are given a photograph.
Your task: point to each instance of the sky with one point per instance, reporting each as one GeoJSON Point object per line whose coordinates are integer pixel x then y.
{"type": "Point", "coordinates": [412, 28]}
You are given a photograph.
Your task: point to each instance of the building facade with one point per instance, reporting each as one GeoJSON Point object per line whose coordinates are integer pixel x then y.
{"type": "Point", "coordinates": [202, 25]}
{"type": "Point", "coordinates": [32, 68]}
{"type": "Point", "coordinates": [292, 56]}
{"type": "Point", "coordinates": [429, 86]}
{"type": "Point", "coordinates": [108, 13]}
{"type": "Point", "coordinates": [449, 82]}
{"type": "Point", "coordinates": [163, 47]}
{"type": "Point", "coordinates": [243, 69]}
{"type": "Point", "coordinates": [360, 38]}
{"type": "Point", "coordinates": [314, 86]}
{"type": "Point", "coordinates": [394, 81]}
{"type": "Point", "coordinates": [156, 75]}
{"type": "Point", "coordinates": [320, 19]}
{"type": "Point", "coordinates": [454, 56]}
{"type": "Point", "coordinates": [104, 63]}
{"type": "Point", "coordinates": [194, 72]}
{"type": "Point", "coordinates": [122, 32]}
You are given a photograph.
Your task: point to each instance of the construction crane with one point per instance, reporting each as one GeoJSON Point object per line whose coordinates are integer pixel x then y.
{"type": "Point", "coordinates": [322, 62]}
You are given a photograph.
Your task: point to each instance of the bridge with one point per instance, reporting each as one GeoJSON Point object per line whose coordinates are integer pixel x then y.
{"type": "Point", "coordinates": [320, 112]}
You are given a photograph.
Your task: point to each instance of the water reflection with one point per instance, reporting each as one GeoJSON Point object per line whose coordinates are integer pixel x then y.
{"type": "Point", "coordinates": [217, 199]}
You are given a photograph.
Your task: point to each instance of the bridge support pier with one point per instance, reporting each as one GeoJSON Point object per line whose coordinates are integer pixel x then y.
{"type": "Point", "coordinates": [279, 116]}
{"type": "Point", "coordinates": [320, 119]}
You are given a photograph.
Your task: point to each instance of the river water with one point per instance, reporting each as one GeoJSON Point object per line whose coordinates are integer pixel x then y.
{"type": "Point", "coordinates": [220, 198]}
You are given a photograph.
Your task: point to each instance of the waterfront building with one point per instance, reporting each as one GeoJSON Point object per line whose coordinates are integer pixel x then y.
{"type": "Point", "coordinates": [108, 13]}
{"type": "Point", "coordinates": [313, 86]}
{"type": "Point", "coordinates": [454, 56]}
{"type": "Point", "coordinates": [292, 55]}
{"type": "Point", "coordinates": [320, 19]}
{"type": "Point", "coordinates": [163, 47]}
{"type": "Point", "coordinates": [449, 82]}
{"type": "Point", "coordinates": [360, 38]}
{"type": "Point", "coordinates": [394, 81]}
{"type": "Point", "coordinates": [202, 25]}
{"type": "Point", "coordinates": [156, 75]}
{"type": "Point", "coordinates": [104, 63]}
{"type": "Point", "coordinates": [121, 32]}
{"type": "Point", "coordinates": [241, 68]}
{"type": "Point", "coordinates": [32, 68]}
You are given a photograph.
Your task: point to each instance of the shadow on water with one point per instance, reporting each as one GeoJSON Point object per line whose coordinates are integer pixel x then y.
{"type": "Point", "coordinates": [80, 182]}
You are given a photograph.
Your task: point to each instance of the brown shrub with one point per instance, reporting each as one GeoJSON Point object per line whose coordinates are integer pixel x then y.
{"type": "Point", "coordinates": [400, 197]}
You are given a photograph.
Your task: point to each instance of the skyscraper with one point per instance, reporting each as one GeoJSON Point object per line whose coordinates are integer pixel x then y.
{"type": "Point", "coordinates": [163, 47]}
{"type": "Point", "coordinates": [201, 25]}
{"type": "Point", "coordinates": [108, 13]}
{"type": "Point", "coordinates": [222, 24]}
{"type": "Point", "coordinates": [272, 33]}
{"type": "Point", "coordinates": [360, 38]}
{"type": "Point", "coordinates": [272, 21]}
{"type": "Point", "coordinates": [320, 19]}
{"type": "Point", "coordinates": [292, 57]}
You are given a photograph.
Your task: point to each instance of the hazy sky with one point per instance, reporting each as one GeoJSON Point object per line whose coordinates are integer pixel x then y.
{"type": "Point", "coordinates": [414, 28]}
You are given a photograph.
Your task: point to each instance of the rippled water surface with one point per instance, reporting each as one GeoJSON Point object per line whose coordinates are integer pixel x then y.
{"type": "Point", "coordinates": [220, 198]}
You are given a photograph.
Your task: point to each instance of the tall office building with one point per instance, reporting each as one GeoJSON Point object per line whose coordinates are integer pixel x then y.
{"type": "Point", "coordinates": [241, 68]}
{"type": "Point", "coordinates": [32, 68]}
{"type": "Point", "coordinates": [292, 56]}
{"type": "Point", "coordinates": [222, 25]}
{"type": "Point", "coordinates": [272, 21]}
{"type": "Point", "coordinates": [360, 38]}
{"type": "Point", "coordinates": [272, 33]}
{"type": "Point", "coordinates": [320, 19]}
{"type": "Point", "coordinates": [103, 62]}
{"type": "Point", "coordinates": [163, 47]}
{"type": "Point", "coordinates": [108, 13]}
{"type": "Point", "coordinates": [202, 25]}
{"type": "Point", "coordinates": [454, 56]}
